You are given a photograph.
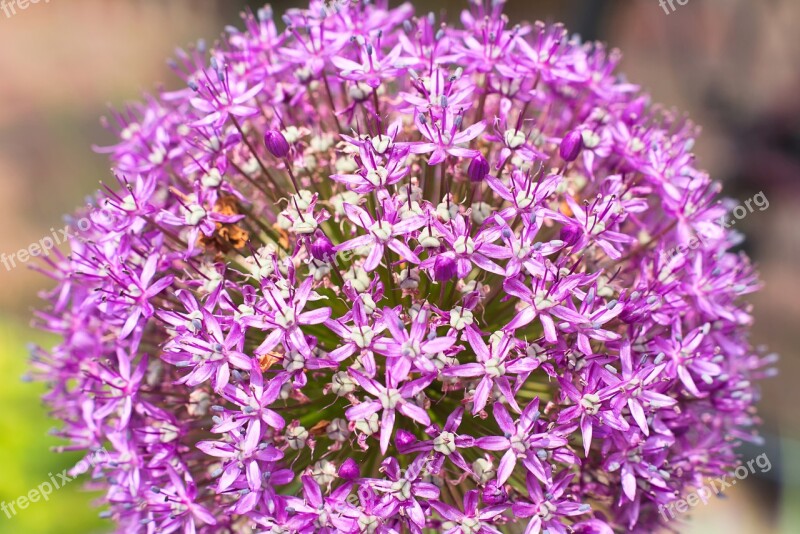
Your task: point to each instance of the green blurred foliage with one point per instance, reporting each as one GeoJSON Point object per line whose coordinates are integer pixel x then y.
{"type": "Point", "coordinates": [26, 459]}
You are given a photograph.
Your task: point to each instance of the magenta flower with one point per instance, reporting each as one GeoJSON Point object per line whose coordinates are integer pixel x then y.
{"type": "Point", "coordinates": [445, 444]}
{"type": "Point", "coordinates": [491, 368]}
{"type": "Point", "coordinates": [241, 457]}
{"type": "Point", "coordinates": [287, 318]}
{"type": "Point", "coordinates": [361, 337]}
{"type": "Point", "coordinates": [337, 244]}
{"type": "Point", "coordinates": [179, 502]}
{"type": "Point", "coordinates": [139, 289]}
{"type": "Point", "coordinates": [381, 233]}
{"type": "Point", "coordinates": [593, 408]}
{"type": "Point", "coordinates": [521, 442]}
{"type": "Point", "coordinates": [472, 520]}
{"type": "Point", "coordinates": [468, 248]}
{"type": "Point", "coordinates": [548, 509]}
{"type": "Point", "coordinates": [210, 354]}
{"type": "Point", "coordinates": [405, 349]}
{"type": "Point", "coordinates": [379, 170]}
{"type": "Point", "coordinates": [444, 137]}
{"type": "Point", "coordinates": [220, 98]}
{"type": "Point", "coordinates": [389, 400]}
{"type": "Point", "coordinates": [370, 69]}
{"type": "Point", "coordinates": [407, 489]}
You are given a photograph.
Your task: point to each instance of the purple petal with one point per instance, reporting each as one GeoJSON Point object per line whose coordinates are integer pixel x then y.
{"type": "Point", "coordinates": [506, 466]}
{"type": "Point", "coordinates": [387, 424]}
{"type": "Point", "coordinates": [362, 411]}
{"type": "Point", "coordinates": [493, 443]}
{"type": "Point", "coordinates": [414, 412]}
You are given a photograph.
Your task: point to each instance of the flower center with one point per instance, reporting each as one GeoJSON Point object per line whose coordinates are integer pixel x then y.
{"type": "Point", "coordinates": [389, 398]}
{"type": "Point", "coordinates": [377, 177]}
{"type": "Point", "coordinates": [363, 336]}
{"type": "Point", "coordinates": [590, 403]}
{"type": "Point", "coordinates": [445, 443]}
{"type": "Point", "coordinates": [494, 367]}
{"type": "Point", "coordinates": [285, 318]}
{"type": "Point", "coordinates": [382, 230]}
{"type": "Point", "coordinates": [402, 489]}
{"type": "Point", "coordinates": [464, 245]}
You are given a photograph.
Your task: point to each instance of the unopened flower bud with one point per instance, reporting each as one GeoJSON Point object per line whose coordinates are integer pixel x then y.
{"type": "Point", "coordinates": [404, 439]}
{"type": "Point", "coordinates": [444, 268]}
{"type": "Point", "coordinates": [478, 169]}
{"type": "Point", "coordinates": [494, 494]}
{"type": "Point", "coordinates": [634, 111]}
{"type": "Point", "coordinates": [349, 469]}
{"type": "Point", "coordinates": [322, 248]}
{"type": "Point", "coordinates": [570, 234]}
{"type": "Point", "coordinates": [571, 146]}
{"type": "Point", "coordinates": [276, 143]}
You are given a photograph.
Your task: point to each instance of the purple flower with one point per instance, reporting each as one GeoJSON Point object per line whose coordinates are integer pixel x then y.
{"type": "Point", "coordinates": [407, 488]}
{"type": "Point", "coordinates": [304, 334]}
{"type": "Point", "coordinates": [405, 349]}
{"type": "Point", "coordinates": [389, 400]}
{"type": "Point", "coordinates": [287, 318]}
{"type": "Point", "coordinates": [445, 444]}
{"type": "Point", "coordinates": [220, 98]}
{"type": "Point", "coordinates": [467, 248]}
{"type": "Point", "coordinates": [241, 458]}
{"type": "Point", "coordinates": [491, 368]}
{"type": "Point", "coordinates": [255, 402]}
{"type": "Point", "coordinates": [547, 510]}
{"type": "Point", "coordinates": [472, 520]}
{"type": "Point", "coordinates": [185, 513]}
{"type": "Point", "coordinates": [372, 69]}
{"type": "Point", "coordinates": [381, 234]}
{"type": "Point", "coordinates": [593, 407]}
{"type": "Point", "coordinates": [521, 442]}
{"type": "Point", "coordinates": [210, 354]}
{"type": "Point", "coordinates": [444, 136]}
{"type": "Point", "coordinates": [140, 289]}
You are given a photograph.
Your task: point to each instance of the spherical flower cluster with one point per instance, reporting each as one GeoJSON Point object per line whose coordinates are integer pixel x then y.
{"type": "Point", "coordinates": [376, 273]}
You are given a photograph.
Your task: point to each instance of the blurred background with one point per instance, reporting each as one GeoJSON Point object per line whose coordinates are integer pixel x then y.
{"type": "Point", "coordinates": [732, 65]}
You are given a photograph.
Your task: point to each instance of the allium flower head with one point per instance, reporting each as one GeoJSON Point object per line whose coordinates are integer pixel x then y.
{"type": "Point", "coordinates": [375, 273]}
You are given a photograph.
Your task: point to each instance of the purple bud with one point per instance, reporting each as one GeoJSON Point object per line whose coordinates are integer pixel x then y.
{"type": "Point", "coordinates": [322, 248]}
{"type": "Point", "coordinates": [571, 146]}
{"type": "Point", "coordinates": [444, 268]}
{"type": "Point", "coordinates": [634, 111]}
{"type": "Point", "coordinates": [570, 234]}
{"type": "Point", "coordinates": [590, 526]}
{"type": "Point", "coordinates": [494, 494]}
{"type": "Point", "coordinates": [276, 143]}
{"type": "Point", "coordinates": [478, 169]}
{"type": "Point", "coordinates": [349, 469]}
{"type": "Point", "coordinates": [403, 439]}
